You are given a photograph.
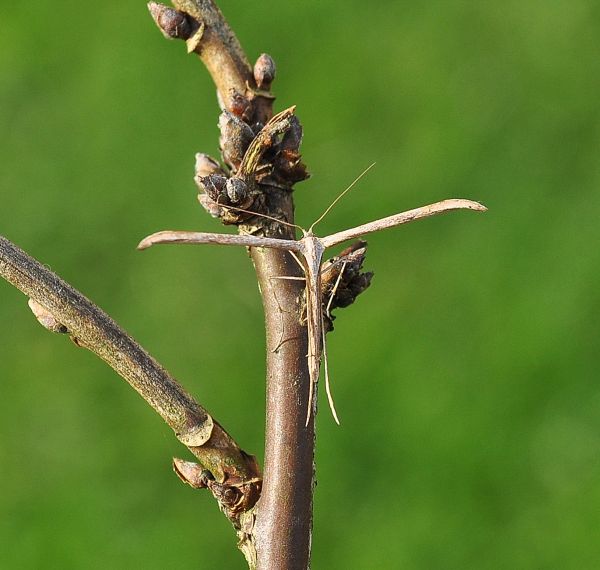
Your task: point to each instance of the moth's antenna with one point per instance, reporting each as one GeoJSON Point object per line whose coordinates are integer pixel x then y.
{"type": "Point", "coordinates": [340, 197]}
{"type": "Point", "coordinates": [261, 216]}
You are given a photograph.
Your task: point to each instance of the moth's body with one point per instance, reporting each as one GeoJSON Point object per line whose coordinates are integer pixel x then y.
{"type": "Point", "coordinates": [310, 251]}
{"type": "Point", "coordinates": [312, 255]}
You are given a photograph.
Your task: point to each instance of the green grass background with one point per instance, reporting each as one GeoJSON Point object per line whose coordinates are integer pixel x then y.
{"type": "Point", "coordinates": [467, 377]}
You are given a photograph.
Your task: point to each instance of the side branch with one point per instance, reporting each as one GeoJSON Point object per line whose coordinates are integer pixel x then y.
{"type": "Point", "coordinates": [93, 329]}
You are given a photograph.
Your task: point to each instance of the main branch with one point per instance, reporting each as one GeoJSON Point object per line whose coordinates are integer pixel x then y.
{"type": "Point", "coordinates": [263, 164]}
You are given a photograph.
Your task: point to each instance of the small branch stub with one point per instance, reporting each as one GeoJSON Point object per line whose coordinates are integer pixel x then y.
{"type": "Point", "coordinates": [198, 434]}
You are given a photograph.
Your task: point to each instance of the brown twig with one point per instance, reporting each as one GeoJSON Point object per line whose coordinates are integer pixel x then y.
{"type": "Point", "coordinates": [206, 32]}
{"type": "Point", "coordinates": [63, 309]}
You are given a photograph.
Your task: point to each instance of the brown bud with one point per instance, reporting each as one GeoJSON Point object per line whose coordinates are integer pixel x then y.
{"type": "Point", "coordinates": [293, 136]}
{"type": "Point", "coordinates": [235, 138]}
{"type": "Point", "coordinates": [342, 277]}
{"type": "Point", "coordinates": [237, 190]}
{"type": "Point", "coordinates": [174, 24]}
{"type": "Point", "coordinates": [264, 71]}
{"type": "Point", "coordinates": [209, 205]}
{"type": "Point", "coordinates": [213, 185]}
{"type": "Point", "coordinates": [289, 165]}
{"type": "Point", "coordinates": [238, 104]}
{"type": "Point", "coordinates": [234, 495]}
{"type": "Point", "coordinates": [190, 473]}
{"type": "Point", "coordinates": [206, 165]}
{"type": "Point", "coordinates": [46, 318]}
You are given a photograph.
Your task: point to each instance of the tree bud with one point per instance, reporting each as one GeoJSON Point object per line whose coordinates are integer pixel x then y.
{"type": "Point", "coordinates": [173, 23]}
{"type": "Point", "coordinates": [237, 190]}
{"type": "Point", "coordinates": [238, 104]}
{"type": "Point", "coordinates": [264, 71]}
{"type": "Point", "coordinates": [213, 185]}
{"type": "Point", "coordinates": [235, 138]}
{"type": "Point", "coordinates": [46, 318]}
{"type": "Point", "coordinates": [206, 165]}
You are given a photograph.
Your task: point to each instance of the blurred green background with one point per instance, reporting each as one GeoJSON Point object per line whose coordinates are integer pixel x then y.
{"type": "Point", "coordinates": [467, 377]}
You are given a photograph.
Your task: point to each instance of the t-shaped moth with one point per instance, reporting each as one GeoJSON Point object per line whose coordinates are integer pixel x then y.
{"type": "Point", "coordinates": [309, 252]}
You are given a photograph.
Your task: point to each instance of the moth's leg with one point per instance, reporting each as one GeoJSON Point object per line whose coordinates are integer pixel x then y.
{"type": "Point", "coordinates": [296, 259]}
{"type": "Point", "coordinates": [290, 277]}
{"type": "Point", "coordinates": [327, 385]}
{"type": "Point", "coordinates": [333, 291]}
{"type": "Point", "coordinates": [325, 360]}
{"type": "Point", "coordinates": [310, 400]}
